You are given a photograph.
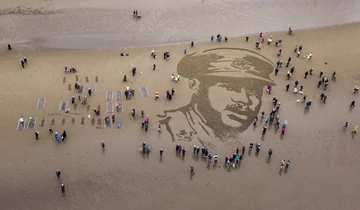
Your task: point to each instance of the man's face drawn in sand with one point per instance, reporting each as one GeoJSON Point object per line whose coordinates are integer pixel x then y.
{"type": "Point", "coordinates": [228, 85]}
{"type": "Point", "coordinates": [235, 103]}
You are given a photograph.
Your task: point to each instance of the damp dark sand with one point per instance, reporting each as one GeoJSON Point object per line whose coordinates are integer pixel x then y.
{"type": "Point", "coordinates": [109, 24]}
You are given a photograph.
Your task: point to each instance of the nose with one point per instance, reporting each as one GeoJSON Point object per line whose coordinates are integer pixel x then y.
{"type": "Point", "coordinates": [240, 97]}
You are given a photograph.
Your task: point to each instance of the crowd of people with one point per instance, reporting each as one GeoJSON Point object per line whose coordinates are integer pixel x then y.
{"type": "Point", "coordinates": [271, 118]}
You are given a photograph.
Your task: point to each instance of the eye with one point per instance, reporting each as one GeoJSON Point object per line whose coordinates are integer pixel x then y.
{"type": "Point", "coordinates": [251, 93]}
{"type": "Point", "coordinates": [226, 86]}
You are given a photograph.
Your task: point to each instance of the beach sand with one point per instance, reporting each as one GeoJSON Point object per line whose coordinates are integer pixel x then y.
{"type": "Point", "coordinates": [322, 175]}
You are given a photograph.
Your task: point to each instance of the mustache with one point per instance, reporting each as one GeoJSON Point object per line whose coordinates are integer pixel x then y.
{"type": "Point", "coordinates": [236, 107]}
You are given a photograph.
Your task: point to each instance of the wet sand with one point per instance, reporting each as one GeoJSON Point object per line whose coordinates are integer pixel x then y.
{"type": "Point", "coordinates": [322, 175]}
{"type": "Point", "coordinates": [109, 24]}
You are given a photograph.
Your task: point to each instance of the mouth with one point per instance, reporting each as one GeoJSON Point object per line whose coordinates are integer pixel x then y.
{"type": "Point", "coordinates": [237, 117]}
{"type": "Point", "coordinates": [234, 110]}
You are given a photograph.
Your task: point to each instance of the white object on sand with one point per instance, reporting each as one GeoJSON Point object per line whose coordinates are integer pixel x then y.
{"type": "Point", "coordinates": [89, 116]}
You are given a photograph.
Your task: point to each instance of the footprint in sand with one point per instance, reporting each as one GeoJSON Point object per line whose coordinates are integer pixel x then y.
{"type": "Point", "coordinates": [99, 122]}
{"type": "Point", "coordinates": [69, 86]}
{"type": "Point", "coordinates": [72, 121]}
{"type": "Point", "coordinates": [93, 121]}
{"type": "Point", "coordinates": [87, 79]}
{"type": "Point", "coordinates": [42, 123]}
{"type": "Point", "coordinates": [88, 108]}
{"type": "Point", "coordinates": [75, 106]}
{"type": "Point", "coordinates": [82, 120]}
{"type": "Point", "coordinates": [96, 79]}
{"type": "Point", "coordinates": [77, 78]}
{"type": "Point", "coordinates": [63, 121]}
{"type": "Point", "coordinates": [64, 79]}
{"type": "Point", "coordinates": [53, 122]}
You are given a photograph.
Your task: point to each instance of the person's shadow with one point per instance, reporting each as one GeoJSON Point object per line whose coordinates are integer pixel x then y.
{"type": "Point", "coordinates": [268, 160]}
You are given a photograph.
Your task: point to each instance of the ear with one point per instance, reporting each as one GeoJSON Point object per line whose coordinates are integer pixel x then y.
{"type": "Point", "coordinates": [194, 84]}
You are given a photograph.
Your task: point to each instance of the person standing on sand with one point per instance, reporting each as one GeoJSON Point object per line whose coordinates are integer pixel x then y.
{"type": "Point", "coordinates": [89, 91]}
{"type": "Point", "coordinates": [58, 174]}
{"type": "Point", "coordinates": [301, 88]}
{"type": "Point", "coordinates": [270, 152]}
{"type": "Point", "coordinates": [306, 74]}
{"type": "Point", "coordinates": [352, 104]}
{"type": "Point", "coordinates": [288, 62]}
{"type": "Point", "coordinates": [37, 135]}
{"type": "Point", "coordinates": [264, 130]}
{"type": "Point", "coordinates": [292, 70]}
{"type": "Point", "coordinates": [276, 71]}
{"type": "Point", "coordinates": [296, 83]}
{"type": "Point", "coordinates": [124, 79]}
{"type": "Point", "coordinates": [325, 97]}
{"type": "Point", "coordinates": [255, 121]}
{"type": "Point", "coordinates": [9, 47]}
{"type": "Point", "coordinates": [243, 151]}
{"type": "Point", "coordinates": [22, 63]}
{"type": "Point", "coordinates": [50, 130]}
{"type": "Point", "coordinates": [346, 124]}
{"type": "Point", "coordinates": [113, 117]}
{"type": "Point", "coordinates": [185, 51]}
{"type": "Point", "coordinates": [63, 188]}
{"type": "Point", "coordinates": [64, 135]}
{"type": "Point", "coordinates": [209, 159]}
{"type": "Point", "coordinates": [161, 152]}
{"type": "Point", "coordinates": [319, 84]}
{"type": "Point", "coordinates": [183, 152]}
{"type": "Point", "coordinates": [192, 44]}
{"type": "Point", "coordinates": [133, 70]}
{"type": "Point", "coordinates": [247, 38]}
{"type": "Point", "coordinates": [355, 130]}
{"type": "Point", "coordinates": [287, 87]}
{"type": "Point", "coordinates": [154, 66]}
{"type": "Point", "coordinates": [311, 71]}
{"type": "Point", "coordinates": [321, 73]}
{"type": "Point", "coordinates": [278, 64]}
{"type": "Point", "coordinates": [304, 99]}
{"type": "Point", "coordinates": [326, 85]}
{"type": "Point", "coordinates": [212, 38]}
{"type": "Point", "coordinates": [133, 113]}
{"type": "Point", "coordinates": [192, 172]}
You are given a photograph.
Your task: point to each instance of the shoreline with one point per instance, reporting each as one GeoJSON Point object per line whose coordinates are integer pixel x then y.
{"type": "Point", "coordinates": [41, 46]}
{"type": "Point", "coordinates": [78, 26]}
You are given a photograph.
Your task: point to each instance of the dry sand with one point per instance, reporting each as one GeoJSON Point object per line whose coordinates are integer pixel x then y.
{"type": "Point", "coordinates": [324, 169]}
{"type": "Point", "coordinates": [88, 24]}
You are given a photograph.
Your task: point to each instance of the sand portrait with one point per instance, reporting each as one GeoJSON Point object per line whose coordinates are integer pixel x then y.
{"type": "Point", "coordinates": [227, 86]}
